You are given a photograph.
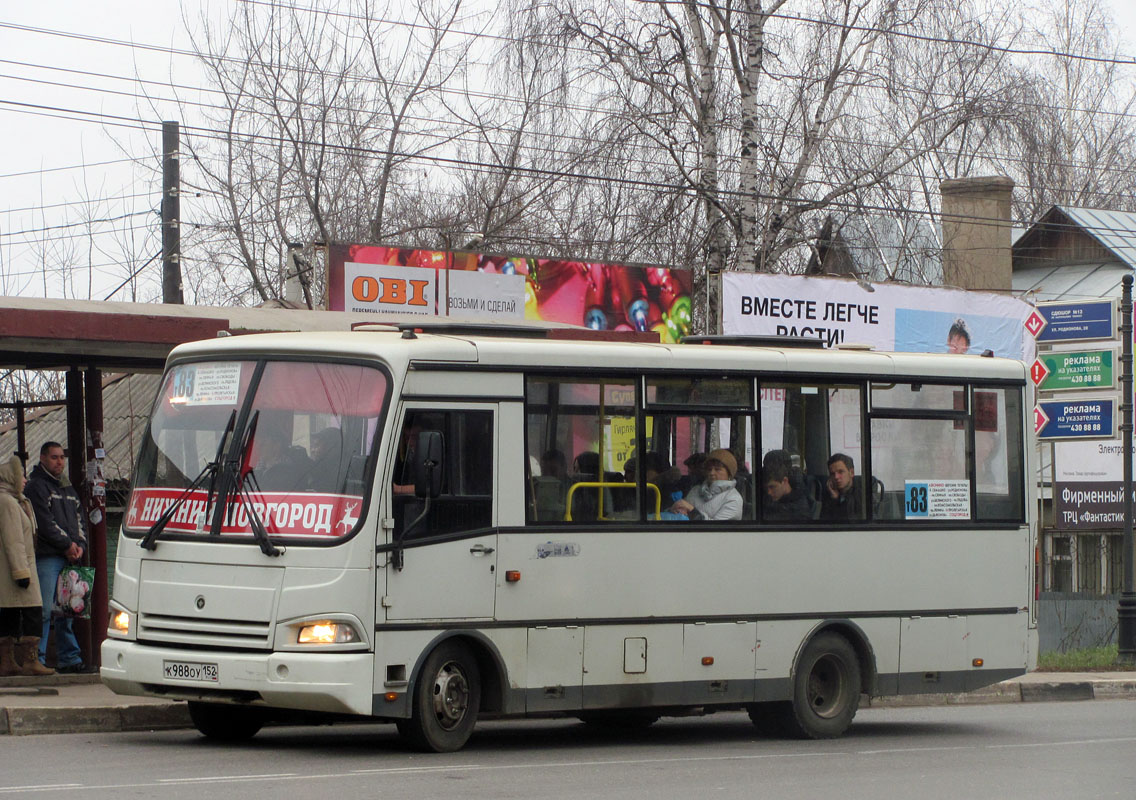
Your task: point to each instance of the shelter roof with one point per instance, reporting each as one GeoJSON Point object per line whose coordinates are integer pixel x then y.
{"type": "Point", "coordinates": [39, 333]}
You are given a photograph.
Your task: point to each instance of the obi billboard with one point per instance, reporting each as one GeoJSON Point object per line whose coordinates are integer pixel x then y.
{"type": "Point", "coordinates": [398, 280]}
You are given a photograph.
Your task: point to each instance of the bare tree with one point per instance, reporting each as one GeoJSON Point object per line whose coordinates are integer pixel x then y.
{"type": "Point", "coordinates": [1073, 140]}
{"type": "Point", "coordinates": [321, 114]}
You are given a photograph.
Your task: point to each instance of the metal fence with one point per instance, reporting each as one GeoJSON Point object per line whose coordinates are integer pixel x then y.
{"type": "Point", "coordinates": [1074, 620]}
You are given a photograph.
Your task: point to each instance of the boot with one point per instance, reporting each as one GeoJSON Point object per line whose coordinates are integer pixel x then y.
{"type": "Point", "coordinates": [27, 649]}
{"type": "Point", "coordinates": [8, 665]}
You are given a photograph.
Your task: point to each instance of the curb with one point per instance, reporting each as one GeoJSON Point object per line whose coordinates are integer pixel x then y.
{"type": "Point", "coordinates": [987, 695]}
{"type": "Point", "coordinates": [17, 721]}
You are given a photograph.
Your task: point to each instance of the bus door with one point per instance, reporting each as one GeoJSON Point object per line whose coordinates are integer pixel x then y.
{"type": "Point", "coordinates": [447, 544]}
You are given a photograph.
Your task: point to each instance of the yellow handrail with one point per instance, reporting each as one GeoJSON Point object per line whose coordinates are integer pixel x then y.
{"type": "Point", "coordinates": [607, 485]}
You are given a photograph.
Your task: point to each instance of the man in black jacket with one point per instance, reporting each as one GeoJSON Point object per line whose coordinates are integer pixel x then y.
{"type": "Point", "coordinates": [843, 494]}
{"type": "Point", "coordinates": [787, 498]}
{"type": "Point", "coordinates": [61, 539]}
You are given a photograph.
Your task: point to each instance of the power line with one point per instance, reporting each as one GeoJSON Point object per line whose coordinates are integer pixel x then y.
{"type": "Point", "coordinates": [65, 225]}
{"type": "Point", "coordinates": [62, 169]}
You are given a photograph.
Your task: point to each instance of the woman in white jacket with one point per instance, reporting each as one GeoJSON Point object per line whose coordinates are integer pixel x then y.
{"type": "Point", "coordinates": [716, 497]}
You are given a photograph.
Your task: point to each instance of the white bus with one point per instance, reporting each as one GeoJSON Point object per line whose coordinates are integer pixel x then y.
{"type": "Point", "coordinates": [425, 525]}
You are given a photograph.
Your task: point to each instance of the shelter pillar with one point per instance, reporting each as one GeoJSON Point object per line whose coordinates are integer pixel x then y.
{"type": "Point", "coordinates": [95, 502]}
{"type": "Point", "coordinates": [76, 469]}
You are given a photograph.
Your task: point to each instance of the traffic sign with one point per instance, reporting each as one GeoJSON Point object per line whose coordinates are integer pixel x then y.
{"type": "Point", "coordinates": [1034, 323]}
{"type": "Point", "coordinates": [1083, 369]}
{"type": "Point", "coordinates": [1086, 418]}
{"type": "Point", "coordinates": [1071, 322]}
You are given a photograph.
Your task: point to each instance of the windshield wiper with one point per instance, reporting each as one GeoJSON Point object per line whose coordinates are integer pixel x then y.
{"type": "Point", "coordinates": [256, 525]}
{"type": "Point", "coordinates": [215, 472]}
{"type": "Point", "coordinates": [150, 540]}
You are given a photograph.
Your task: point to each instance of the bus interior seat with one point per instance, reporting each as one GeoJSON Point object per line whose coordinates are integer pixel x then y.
{"type": "Point", "coordinates": [744, 483]}
{"type": "Point", "coordinates": [548, 494]}
{"type": "Point", "coordinates": [890, 506]}
{"type": "Point", "coordinates": [356, 469]}
{"type": "Point", "coordinates": [814, 489]}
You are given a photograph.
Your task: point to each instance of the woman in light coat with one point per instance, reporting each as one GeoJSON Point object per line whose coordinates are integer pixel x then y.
{"type": "Point", "coordinates": [21, 611]}
{"type": "Point", "coordinates": [716, 497]}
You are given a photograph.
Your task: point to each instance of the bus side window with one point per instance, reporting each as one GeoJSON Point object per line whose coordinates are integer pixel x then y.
{"type": "Point", "coordinates": [466, 500]}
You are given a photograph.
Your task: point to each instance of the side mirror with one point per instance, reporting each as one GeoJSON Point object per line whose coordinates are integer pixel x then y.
{"type": "Point", "coordinates": [428, 464]}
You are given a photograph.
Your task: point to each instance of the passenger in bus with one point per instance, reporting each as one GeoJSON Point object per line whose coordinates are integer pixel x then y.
{"type": "Point", "coordinates": [786, 500]}
{"type": "Point", "coordinates": [694, 473]}
{"type": "Point", "coordinates": [658, 472]}
{"type": "Point", "coordinates": [782, 460]}
{"type": "Point", "coordinates": [586, 500]}
{"type": "Point", "coordinates": [327, 461]}
{"type": "Point", "coordinates": [279, 466]}
{"type": "Point", "coordinates": [553, 464]}
{"type": "Point", "coordinates": [716, 497]}
{"type": "Point", "coordinates": [843, 496]}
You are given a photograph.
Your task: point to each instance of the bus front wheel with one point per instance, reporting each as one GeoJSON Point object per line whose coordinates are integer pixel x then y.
{"type": "Point", "coordinates": [225, 723]}
{"type": "Point", "coordinates": [446, 700]}
{"type": "Point", "coordinates": [826, 689]}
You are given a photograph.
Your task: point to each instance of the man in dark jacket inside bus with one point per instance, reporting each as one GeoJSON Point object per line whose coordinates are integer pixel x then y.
{"type": "Point", "coordinates": [787, 497]}
{"type": "Point", "coordinates": [61, 539]}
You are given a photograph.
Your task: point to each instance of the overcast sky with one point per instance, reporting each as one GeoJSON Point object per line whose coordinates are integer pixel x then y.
{"type": "Point", "coordinates": [40, 129]}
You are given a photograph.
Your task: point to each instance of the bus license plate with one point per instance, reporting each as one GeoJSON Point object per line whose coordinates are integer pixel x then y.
{"type": "Point", "coordinates": [190, 671]}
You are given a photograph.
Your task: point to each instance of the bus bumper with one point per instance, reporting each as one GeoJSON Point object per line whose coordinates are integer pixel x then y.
{"type": "Point", "coordinates": [337, 683]}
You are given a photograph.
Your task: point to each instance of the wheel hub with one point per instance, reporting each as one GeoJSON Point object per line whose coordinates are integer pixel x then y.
{"type": "Point", "coordinates": [451, 695]}
{"type": "Point", "coordinates": [827, 687]}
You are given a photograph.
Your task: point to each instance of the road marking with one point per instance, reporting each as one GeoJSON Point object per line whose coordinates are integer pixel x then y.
{"type": "Point", "coordinates": [543, 765]}
{"type": "Point", "coordinates": [915, 750]}
{"type": "Point", "coordinates": [215, 778]}
{"type": "Point", "coordinates": [1062, 744]}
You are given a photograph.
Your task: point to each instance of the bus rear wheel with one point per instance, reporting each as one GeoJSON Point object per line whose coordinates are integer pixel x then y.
{"type": "Point", "coordinates": [225, 723]}
{"type": "Point", "coordinates": [826, 689]}
{"type": "Point", "coordinates": [447, 697]}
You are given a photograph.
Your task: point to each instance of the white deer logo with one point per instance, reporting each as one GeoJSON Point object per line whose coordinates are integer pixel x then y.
{"type": "Point", "coordinates": [348, 521]}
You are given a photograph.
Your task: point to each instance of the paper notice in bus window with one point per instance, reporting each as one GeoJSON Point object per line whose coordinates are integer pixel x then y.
{"type": "Point", "coordinates": [206, 384]}
{"type": "Point", "coordinates": [986, 411]}
{"type": "Point", "coordinates": [937, 499]}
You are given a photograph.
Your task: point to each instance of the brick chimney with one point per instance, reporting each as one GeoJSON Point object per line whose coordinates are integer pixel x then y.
{"type": "Point", "coordinates": [977, 233]}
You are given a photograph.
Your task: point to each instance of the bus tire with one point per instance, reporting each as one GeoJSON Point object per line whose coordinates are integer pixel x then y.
{"type": "Point", "coordinates": [447, 698]}
{"type": "Point", "coordinates": [768, 718]}
{"type": "Point", "coordinates": [225, 723]}
{"type": "Point", "coordinates": [826, 689]}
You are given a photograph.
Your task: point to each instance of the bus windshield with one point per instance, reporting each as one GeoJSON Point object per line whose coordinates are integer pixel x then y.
{"type": "Point", "coordinates": [302, 449]}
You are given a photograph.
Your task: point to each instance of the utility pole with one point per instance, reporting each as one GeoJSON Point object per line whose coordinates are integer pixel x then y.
{"type": "Point", "coordinates": [171, 215]}
{"type": "Point", "coordinates": [1126, 609]}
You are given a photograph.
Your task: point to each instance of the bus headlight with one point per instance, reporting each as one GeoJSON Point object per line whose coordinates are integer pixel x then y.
{"type": "Point", "coordinates": [327, 632]}
{"type": "Point", "coordinates": [119, 623]}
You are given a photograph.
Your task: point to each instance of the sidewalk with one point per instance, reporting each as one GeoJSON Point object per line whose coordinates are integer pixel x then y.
{"type": "Point", "coordinates": [82, 704]}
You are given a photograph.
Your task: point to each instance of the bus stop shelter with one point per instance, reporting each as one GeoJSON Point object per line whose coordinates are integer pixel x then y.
{"type": "Point", "coordinates": [84, 339]}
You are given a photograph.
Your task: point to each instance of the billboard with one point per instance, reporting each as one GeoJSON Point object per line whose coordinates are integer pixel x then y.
{"type": "Point", "coordinates": [1088, 485]}
{"type": "Point", "coordinates": [617, 297]}
{"type": "Point", "coordinates": [912, 319]}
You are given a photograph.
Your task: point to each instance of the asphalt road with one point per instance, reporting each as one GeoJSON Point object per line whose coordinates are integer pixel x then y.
{"type": "Point", "coordinates": [1021, 750]}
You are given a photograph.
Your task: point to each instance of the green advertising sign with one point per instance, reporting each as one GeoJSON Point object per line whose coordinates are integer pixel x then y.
{"type": "Point", "coordinates": [1085, 369]}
